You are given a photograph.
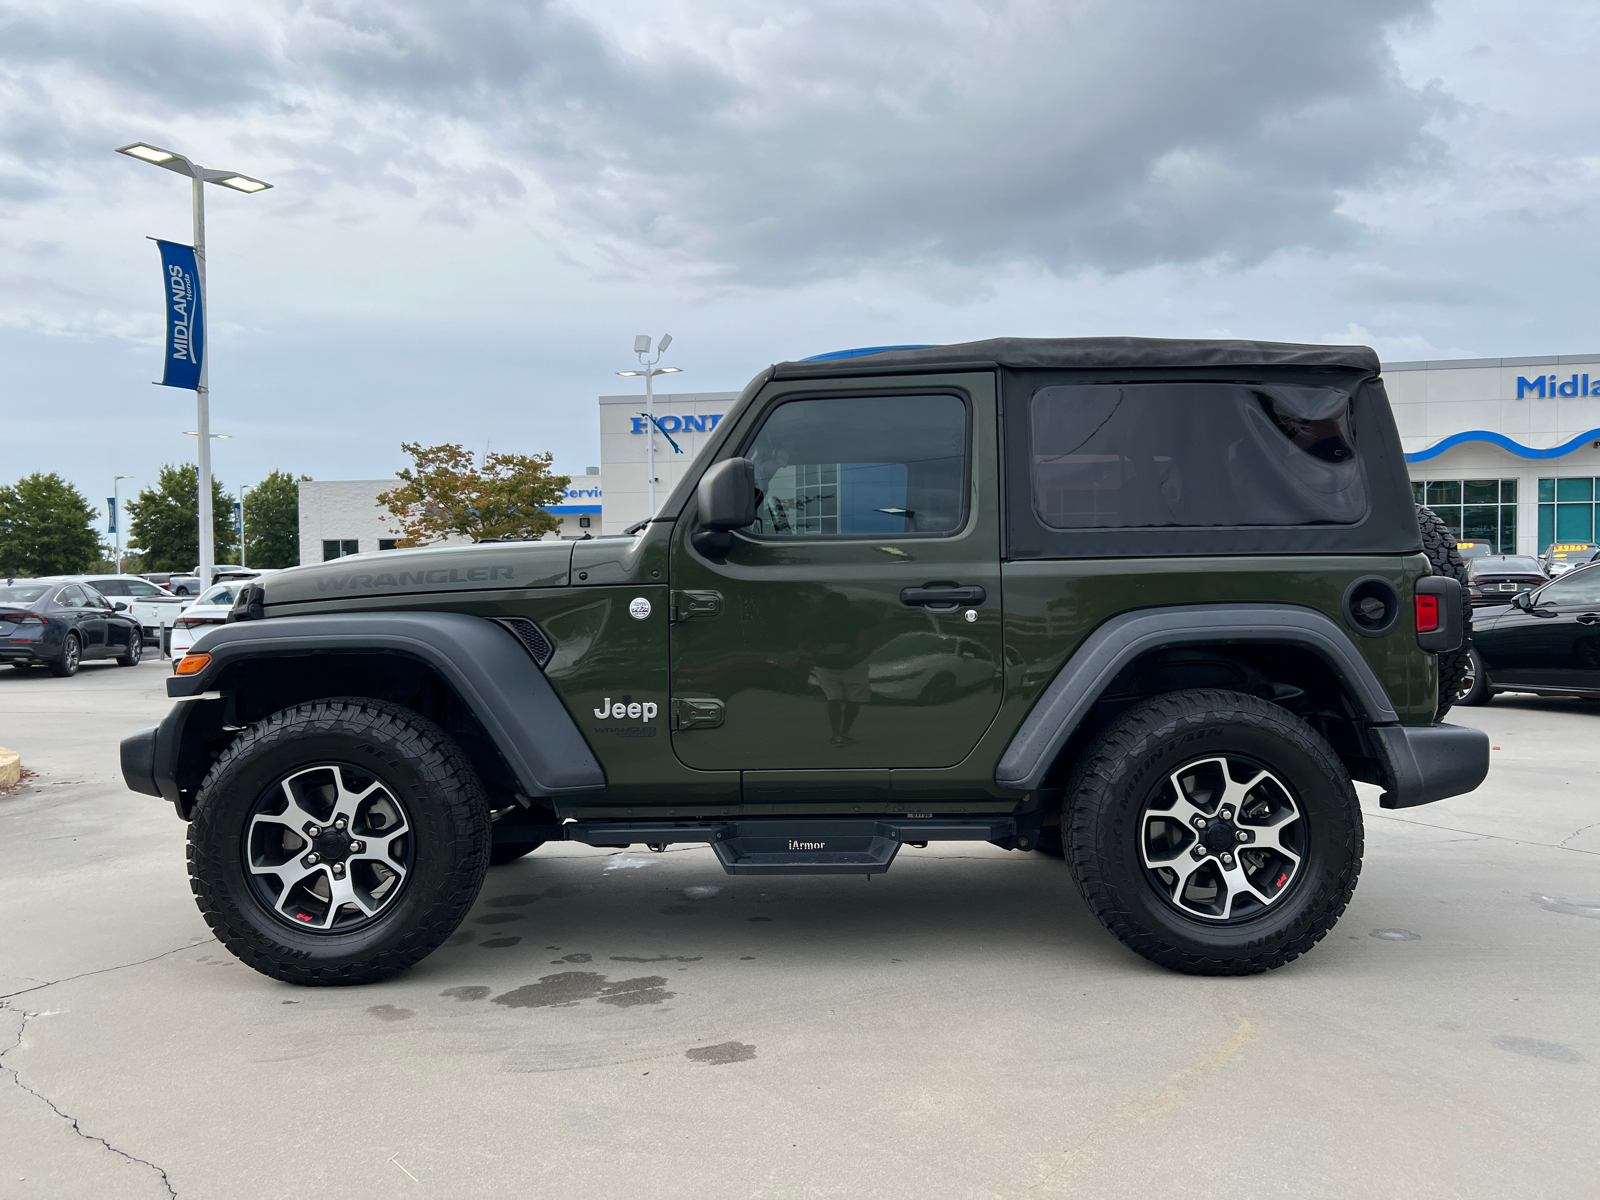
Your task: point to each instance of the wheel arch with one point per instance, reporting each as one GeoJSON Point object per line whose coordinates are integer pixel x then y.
{"type": "Point", "coordinates": [1291, 655]}
{"type": "Point", "coordinates": [469, 675]}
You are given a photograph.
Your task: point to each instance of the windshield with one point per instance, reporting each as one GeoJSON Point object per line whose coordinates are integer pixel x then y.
{"type": "Point", "coordinates": [23, 593]}
{"type": "Point", "coordinates": [1504, 565]}
{"type": "Point", "coordinates": [1574, 556]}
{"type": "Point", "coordinates": [223, 594]}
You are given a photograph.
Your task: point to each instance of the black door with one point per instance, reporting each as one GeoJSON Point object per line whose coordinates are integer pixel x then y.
{"type": "Point", "coordinates": [1555, 643]}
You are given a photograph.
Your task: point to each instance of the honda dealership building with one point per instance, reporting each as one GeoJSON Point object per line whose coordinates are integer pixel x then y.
{"type": "Point", "coordinates": [1506, 450]}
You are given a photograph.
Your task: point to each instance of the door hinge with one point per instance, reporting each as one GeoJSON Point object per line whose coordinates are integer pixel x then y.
{"type": "Point", "coordinates": [688, 605]}
{"type": "Point", "coordinates": [696, 714]}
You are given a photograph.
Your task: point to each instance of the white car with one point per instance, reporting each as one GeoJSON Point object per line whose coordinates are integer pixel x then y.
{"type": "Point", "coordinates": [206, 610]}
{"type": "Point", "coordinates": [153, 606]}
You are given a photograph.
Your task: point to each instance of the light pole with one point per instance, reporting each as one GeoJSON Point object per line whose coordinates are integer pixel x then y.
{"type": "Point", "coordinates": [116, 505]}
{"type": "Point", "coordinates": [641, 347]}
{"type": "Point", "coordinates": [243, 488]}
{"type": "Point", "coordinates": [198, 176]}
{"type": "Point", "coordinates": [207, 551]}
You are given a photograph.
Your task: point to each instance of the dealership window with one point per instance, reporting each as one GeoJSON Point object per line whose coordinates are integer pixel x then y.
{"type": "Point", "coordinates": [1566, 511]}
{"type": "Point", "coordinates": [339, 548]}
{"type": "Point", "coordinates": [1479, 510]}
{"type": "Point", "coordinates": [388, 543]}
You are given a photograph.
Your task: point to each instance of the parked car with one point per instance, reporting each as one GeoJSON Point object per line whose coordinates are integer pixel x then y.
{"type": "Point", "coordinates": [211, 608]}
{"type": "Point", "coordinates": [1474, 549]}
{"type": "Point", "coordinates": [1563, 556]}
{"type": "Point", "coordinates": [154, 607]}
{"type": "Point", "coordinates": [1495, 578]}
{"type": "Point", "coordinates": [46, 622]}
{"type": "Point", "coordinates": [1546, 641]}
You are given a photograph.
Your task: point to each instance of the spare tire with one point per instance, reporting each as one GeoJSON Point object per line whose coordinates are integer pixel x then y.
{"type": "Point", "coordinates": [1439, 544]}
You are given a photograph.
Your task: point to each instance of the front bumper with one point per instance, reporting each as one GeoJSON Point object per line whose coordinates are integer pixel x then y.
{"type": "Point", "coordinates": [1424, 763]}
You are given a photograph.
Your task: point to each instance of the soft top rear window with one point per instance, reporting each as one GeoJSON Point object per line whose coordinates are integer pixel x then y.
{"type": "Point", "coordinates": [1194, 454]}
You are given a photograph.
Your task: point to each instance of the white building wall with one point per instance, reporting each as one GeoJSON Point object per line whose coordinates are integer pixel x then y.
{"type": "Point", "coordinates": [342, 510]}
{"type": "Point", "coordinates": [1433, 400]}
{"type": "Point", "coordinates": [623, 448]}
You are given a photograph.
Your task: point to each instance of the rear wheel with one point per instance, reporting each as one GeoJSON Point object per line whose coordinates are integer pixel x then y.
{"type": "Point", "coordinates": [71, 657]}
{"type": "Point", "coordinates": [1213, 833]}
{"type": "Point", "coordinates": [135, 650]}
{"type": "Point", "coordinates": [338, 842]}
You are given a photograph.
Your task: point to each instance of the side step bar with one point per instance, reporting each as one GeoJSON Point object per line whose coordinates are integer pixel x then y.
{"type": "Point", "coordinates": [782, 845]}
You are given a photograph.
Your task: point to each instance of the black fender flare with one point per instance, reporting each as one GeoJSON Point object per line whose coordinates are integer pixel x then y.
{"type": "Point", "coordinates": [479, 659]}
{"type": "Point", "coordinates": [1079, 684]}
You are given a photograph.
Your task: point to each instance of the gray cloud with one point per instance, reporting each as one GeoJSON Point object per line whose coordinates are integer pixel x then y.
{"type": "Point", "coordinates": [782, 145]}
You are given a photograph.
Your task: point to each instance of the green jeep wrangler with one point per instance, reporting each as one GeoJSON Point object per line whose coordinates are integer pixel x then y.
{"type": "Point", "coordinates": [1148, 605]}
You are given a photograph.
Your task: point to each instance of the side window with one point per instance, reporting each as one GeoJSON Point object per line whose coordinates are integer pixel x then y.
{"type": "Point", "coordinates": [1577, 587]}
{"type": "Point", "coordinates": [141, 590]}
{"type": "Point", "coordinates": [1194, 454]}
{"type": "Point", "coordinates": [111, 587]}
{"type": "Point", "coordinates": [72, 596]}
{"type": "Point", "coordinates": [861, 466]}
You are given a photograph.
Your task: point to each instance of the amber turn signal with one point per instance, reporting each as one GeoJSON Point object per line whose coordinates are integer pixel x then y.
{"type": "Point", "coordinates": [192, 664]}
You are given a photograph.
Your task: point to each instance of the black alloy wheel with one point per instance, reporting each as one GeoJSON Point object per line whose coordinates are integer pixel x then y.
{"type": "Point", "coordinates": [1213, 832]}
{"type": "Point", "coordinates": [71, 657]}
{"type": "Point", "coordinates": [338, 842]}
{"type": "Point", "coordinates": [1473, 689]}
{"type": "Point", "coordinates": [135, 650]}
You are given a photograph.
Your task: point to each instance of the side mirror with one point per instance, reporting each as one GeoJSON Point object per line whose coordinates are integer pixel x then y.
{"type": "Point", "coordinates": [120, 606]}
{"type": "Point", "coordinates": [726, 499]}
{"type": "Point", "coordinates": [1523, 600]}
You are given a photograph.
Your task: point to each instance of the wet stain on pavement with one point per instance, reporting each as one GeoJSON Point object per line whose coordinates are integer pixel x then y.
{"type": "Point", "coordinates": [497, 918]}
{"type": "Point", "coordinates": [1395, 935]}
{"type": "Point", "coordinates": [573, 987]}
{"type": "Point", "coordinates": [1557, 905]}
{"type": "Point", "coordinates": [574, 958]}
{"type": "Point", "coordinates": [499, 943]}
{"type": "Point", "coordinates": [721, 1054]}
{"type": "Point", "coordinates": [388, 1012]}
{"type": "Point", "coordinates": [1534, 1048]}
{"type": "Point", "coordinates": [657, 958]}
{"type": "Point", "coordinates": [465, 993]}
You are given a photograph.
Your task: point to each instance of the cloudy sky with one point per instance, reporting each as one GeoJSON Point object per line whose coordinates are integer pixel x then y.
{"type": "Point", "coordinates": [478, 204]}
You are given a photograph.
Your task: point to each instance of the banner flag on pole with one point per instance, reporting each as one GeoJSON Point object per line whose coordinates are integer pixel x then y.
{"type": "Point", "coordinates": [238, 519]}
{"type": "Point", "coordinates": [186, 339]}
{"type": "Point", "coordinates": [111, 507]}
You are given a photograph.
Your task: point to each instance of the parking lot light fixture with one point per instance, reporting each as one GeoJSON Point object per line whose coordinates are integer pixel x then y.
{"type": "Point", "coordinates": [641, 347]}
{"type": "Point", "coordinates": [116, 505]}
{"type": "Point", "coordinates": [199, 176]}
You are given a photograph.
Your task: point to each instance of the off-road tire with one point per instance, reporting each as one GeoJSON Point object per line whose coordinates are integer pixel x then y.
{"type": "Point", "coordinates": [1479, 692]}
{"type": "Point", "coordinates": [441, 792]}
{"type": "Point", "coordinates": [71, 658]}
{"type": "Point", "coordinates": [1134, 755]}
{"type": "Point", "coordinates": [1439, 544]}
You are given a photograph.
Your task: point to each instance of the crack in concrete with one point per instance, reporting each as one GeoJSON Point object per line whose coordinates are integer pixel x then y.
{"type": "Point", "coordinates": [16, 1078]}
{"type": "Point", "coordinates": [1496, 837]}
{"type": "Point", "coordinates": [102, 970]}
{"type": "Point", "coordinates": [1562, 844]}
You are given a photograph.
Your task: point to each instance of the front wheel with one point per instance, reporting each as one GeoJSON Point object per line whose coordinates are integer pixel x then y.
{"type": "Point", "coordinates": [1473, 688]}
{"type": "Point", "coordinates": [1213, 832]}
{"type": "Point", "coordinates": [338, 842]}
{"type": "Point", "coordinates": [135, 650]}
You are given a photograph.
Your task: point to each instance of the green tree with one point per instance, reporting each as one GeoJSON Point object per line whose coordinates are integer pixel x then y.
{"type": "Point", "coordinates": [165, 521]}
{"type": "Point", "coordinates": [46, 528]}
{"type": "Point", "coordinates": [446, 494]}
{"type": "Point", "coordinates": [272, 521]}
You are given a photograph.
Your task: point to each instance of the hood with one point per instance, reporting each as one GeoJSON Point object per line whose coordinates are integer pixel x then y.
{"type": "Point", "coordinates": [481, 566]}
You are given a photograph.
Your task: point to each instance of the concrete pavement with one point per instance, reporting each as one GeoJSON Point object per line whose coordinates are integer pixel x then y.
{"type": "Point", "coordinates": [629, 1023]}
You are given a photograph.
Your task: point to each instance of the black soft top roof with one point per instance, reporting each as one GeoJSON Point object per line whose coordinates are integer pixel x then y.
{"type": "Point", "coordinates": [1098, 352]}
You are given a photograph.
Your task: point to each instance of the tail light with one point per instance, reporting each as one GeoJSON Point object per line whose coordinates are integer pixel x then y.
{"type": "Point", "coordinates": [198, 622]}
{"type": "Point", "coordinates": [1428, 613]}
